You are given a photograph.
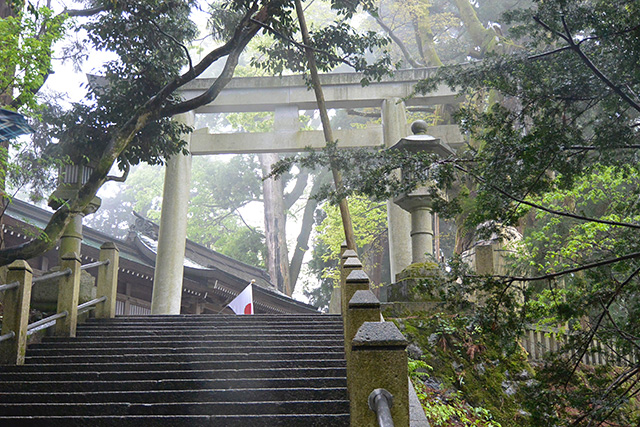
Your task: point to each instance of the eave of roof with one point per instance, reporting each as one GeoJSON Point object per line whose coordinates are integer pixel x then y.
{"type": "Point", "coordinates": [132, 251]}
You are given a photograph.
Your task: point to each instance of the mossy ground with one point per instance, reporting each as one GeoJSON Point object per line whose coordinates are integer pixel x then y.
{"type": "Point", "coordinates": [462, 379]}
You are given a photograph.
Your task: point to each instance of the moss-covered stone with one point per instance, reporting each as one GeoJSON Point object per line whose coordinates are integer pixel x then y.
{"type": "Point", "coordinates": [468, 375]}
{"type": "Point", "coordinates": [417, 283]}
{"type": "Point", "coordinates": [44, 295]}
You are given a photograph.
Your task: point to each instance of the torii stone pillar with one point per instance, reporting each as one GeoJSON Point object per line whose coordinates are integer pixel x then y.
{"type": "Point", "coordinates": [394, 122]}
{"type": "Point", "coordinates": [172, 237]}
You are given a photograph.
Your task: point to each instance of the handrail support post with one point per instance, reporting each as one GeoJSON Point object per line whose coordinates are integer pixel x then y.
{"type": "Point", "coordinates": [378, 359]}
{"type": "Point", "coordinates": [16, 305]}
{"type": "Point", "coordinates": [68, 294]}
{"type": "Point", "coordinates": [108, 280]}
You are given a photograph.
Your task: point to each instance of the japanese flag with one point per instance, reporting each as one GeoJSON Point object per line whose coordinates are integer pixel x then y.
{"type": "Point", "coordinates": [243, 303]}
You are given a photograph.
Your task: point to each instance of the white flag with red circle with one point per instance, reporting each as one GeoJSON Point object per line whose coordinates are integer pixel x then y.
{"type": "Point", "coordinates": [243, 303]}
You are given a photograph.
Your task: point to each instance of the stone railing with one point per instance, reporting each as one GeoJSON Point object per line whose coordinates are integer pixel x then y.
{"type": "Point", "coordinates": [539, 341]}
{"type": "Point", "coordinates": [17, 300]}
{"type": "Point", "coordinates": [377, 377]}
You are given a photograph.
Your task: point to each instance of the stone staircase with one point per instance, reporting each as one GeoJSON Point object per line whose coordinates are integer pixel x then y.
{"type": "Point", "coordinates": [205, 370]}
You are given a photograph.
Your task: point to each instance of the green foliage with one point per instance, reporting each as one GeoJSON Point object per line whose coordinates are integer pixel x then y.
{"type": "Point", "coordinates": [147, 40]}
{"type": "Point", "coordinates": [336, 43]}
{"type": "Point", "coordinates": [26, 42]}
{"type": "Point", "coordinates": [369, 223]}
{"type": "Point", "coordinates": [221, 189]}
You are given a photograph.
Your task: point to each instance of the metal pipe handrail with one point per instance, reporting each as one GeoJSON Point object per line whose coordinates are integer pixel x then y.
{"type": "Point", "coordinates": [94, 264]}
{"type": "Point", "coordinates": [91, 303]}
{"type": "Point", "coordinates": [61, 273]}
{"type": "Point", "coordinates": [8, 286]}
{"type": "Point", "coordinates": [7, 336]}
{"type": "Point", "coordinates": [380, 402]}
{"type": "Point", "coordinates": [47, 320]}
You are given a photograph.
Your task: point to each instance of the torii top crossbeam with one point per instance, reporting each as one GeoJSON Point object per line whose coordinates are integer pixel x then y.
{"type": "Point", "coordinates": [341, 90]}
{"type": "Point", "coordinates": [286, 95]}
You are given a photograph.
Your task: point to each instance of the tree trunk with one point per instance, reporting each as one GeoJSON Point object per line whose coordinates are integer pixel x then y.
{"type": "Point", "coordinates": [302, 244]}
{"type": "Point", "coordinates": [5, 100]}
{"type": "Point", "coordinates": [485, 38]}
{"type": "Point", "coordinates": [326, 125]}
{"type": "Point", "coordinates": [275, 226]}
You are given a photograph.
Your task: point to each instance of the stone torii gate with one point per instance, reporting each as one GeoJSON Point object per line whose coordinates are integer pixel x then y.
{"type": "Point", "coordinates": [285, 96]}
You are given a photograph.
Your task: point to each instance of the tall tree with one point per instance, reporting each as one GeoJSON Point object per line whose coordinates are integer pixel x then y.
{"type": "Point", "coordinates": [128, 118]}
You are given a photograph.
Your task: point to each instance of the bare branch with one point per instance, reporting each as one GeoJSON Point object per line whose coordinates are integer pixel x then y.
{"type": "Point", "coordinates": [399, 43]}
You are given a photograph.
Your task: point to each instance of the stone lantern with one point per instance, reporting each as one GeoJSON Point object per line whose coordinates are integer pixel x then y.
{"type": "Point", "coordinates": [71, 178]}
{"type": "Point", "coordinates": [419, 202]}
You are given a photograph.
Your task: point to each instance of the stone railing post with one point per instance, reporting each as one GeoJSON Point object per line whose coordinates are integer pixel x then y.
{"type": "Point", "coordinates": [349, 265]}
{"type": "Point", "coordinates": [356, 281]}
{"type": "Point", "coordinates": [108, 280]}
{"type": "Point", "coordinates": [335, 305]}
{"type": "Point", "coordinates": [364, 306]}
{"type": "Point", "coordinates": [378, 360]}
{"type": "Point", "coordinates": [16, 313]}
{"type": "Point", "coordinates": [68, 293]}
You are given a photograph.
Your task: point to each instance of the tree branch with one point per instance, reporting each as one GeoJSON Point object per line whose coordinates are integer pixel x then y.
{"type": "Point", "coordinates": [125, 174]}
{"type": "Point", "coordinates": [545, 209]}
{"type": "Point", "coordinates": [551, 52]}
{"type": "Point", "coordinates": [202, 66]}
{"type": "Point", "coordinates": [399, 43]}
{"type": "Point", "coordinates": [84, 12]}
{"type": "Point", "coordinates": [299, 45]}
{"type": "Point", "coordinates": [297, 191]}
{"type": "Point", "coordinates": [568, 37]}
{"type": "Point", "coordinates": [173, 39]}
{"type": "Point", "coordinates": [593, 331]}
{"type": "Point", "coordinates": [634, 255]}
{"type": "Point", "coordinates": [122, 137]}
{"type": "Point", "coordinates": [241, 41]}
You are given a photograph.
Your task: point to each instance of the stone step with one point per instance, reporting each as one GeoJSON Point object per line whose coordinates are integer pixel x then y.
{"type": "Point", "coordinates": [280, 420]}
{"type": "Point", "coordinates": [162, 396]}
{"type": "Point", "coordinates": [187, 370]}
{"type": "Point", "coordinates": [118, 384]}
{"type": "Point", "coordinates": [251, 318]}
{"type": "Point", "coordinates": [61, 350]}
{"type": "Point", "coordinates": [255, 320]}
{"type": "Point", "coordinates": [163, 342]}
{"type": "Point", "coordinates": [271, 338]}
{"type": "Point", "coordinates": [192, 408]}
{"type": "Point", "coordinates": [208, 332]}
{"type": "Point", "coordinates": [142, 374]}
{"type": "Point", "coordinates": [168, 366]}
{"type": "Point", "coordinates": [212, 324]}
{"type": "Point", "coordinates": [180, 356]}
